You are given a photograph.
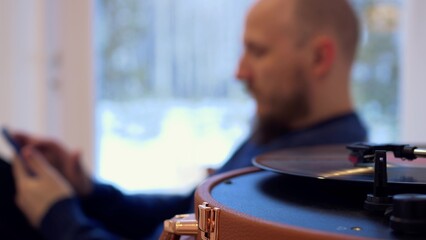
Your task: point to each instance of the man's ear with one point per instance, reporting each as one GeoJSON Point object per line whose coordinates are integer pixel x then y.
{"type": "Point", "coordinates": [323, 55]}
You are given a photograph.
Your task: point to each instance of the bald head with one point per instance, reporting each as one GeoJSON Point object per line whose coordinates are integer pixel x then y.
{"type": "Point", "coordinates": [337, 16]}
{"type": "Point", "coordinates": [311, 17]}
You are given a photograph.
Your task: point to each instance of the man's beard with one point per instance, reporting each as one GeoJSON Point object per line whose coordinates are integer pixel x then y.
{"type": "Point", "coordinates": [285, 113]}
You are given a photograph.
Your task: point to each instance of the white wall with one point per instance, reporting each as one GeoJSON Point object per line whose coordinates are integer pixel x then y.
{"type": "Point", "coordinates": [22, 66]}
{"type": "Point", "coordinates": [413, 82]}
{"type": "Point", "coordinates": [46, 70]}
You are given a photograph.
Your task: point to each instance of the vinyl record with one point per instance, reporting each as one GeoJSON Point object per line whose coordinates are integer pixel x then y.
{"type": "Point", "coordinates": [332, 163]}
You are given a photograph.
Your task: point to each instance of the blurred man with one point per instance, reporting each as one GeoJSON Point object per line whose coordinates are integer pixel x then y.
{"type": "Point", "coordinates": [296, 64]}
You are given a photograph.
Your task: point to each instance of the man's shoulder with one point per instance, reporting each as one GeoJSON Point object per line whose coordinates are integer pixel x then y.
{"type": "Point", "coordinates": [343, 129]}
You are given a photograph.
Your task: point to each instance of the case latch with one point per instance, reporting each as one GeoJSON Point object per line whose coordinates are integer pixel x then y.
{"type": "Point", "coordinates": [208, 221]}
{"type": "Point", "coordinates": [187, 225]}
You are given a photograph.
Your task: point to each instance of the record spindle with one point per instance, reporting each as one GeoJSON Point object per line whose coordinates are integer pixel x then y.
{"type": "Point", "coordinates": [379, 201]}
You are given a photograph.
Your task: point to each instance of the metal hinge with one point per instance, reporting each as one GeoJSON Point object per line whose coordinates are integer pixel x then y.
{"type": "Point", "coordinates": [208, 221]}
{"type": "Point", "coordinates": [183, 224]}
{"type": "Point", "coordinates": [186, 224]}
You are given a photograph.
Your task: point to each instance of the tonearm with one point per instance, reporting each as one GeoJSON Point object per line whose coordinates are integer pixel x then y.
{"type": "Point", "coordinates": [362, 153]}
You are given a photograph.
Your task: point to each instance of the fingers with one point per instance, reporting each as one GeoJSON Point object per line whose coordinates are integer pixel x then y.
{"type": "Point", "coordinates": [52, 155]}
{"type": "Point", "coordinates": [18, 169]}
{"type": "Point", "coordinates": [22, 138]}
{"type": "Point", "coordinates": [22, 170]}
{"type": "Point", "coordinates": [36, 194]}
{"type": "Point", "coordinates": [76, 162]}
{"type": "Point", "coordinates": [77, 176]}
{"type": "Point", "coordinates": [41, 144]}
{"type": "Point", "coordinates": [31, 164]}
{"type": "Point", "coordinates": [52, 150]}
{"type": "Point", "coordinates": [35, 161]}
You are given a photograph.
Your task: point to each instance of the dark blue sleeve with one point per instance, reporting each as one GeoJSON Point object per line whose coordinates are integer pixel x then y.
{"type": "Point", "coordinates": [65, 221]}
{"type": "Point", "coordinates": [132, 216]}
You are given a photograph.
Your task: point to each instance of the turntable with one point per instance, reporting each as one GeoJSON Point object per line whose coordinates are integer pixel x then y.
{"type": "Point", "coordinates": [360, 191]}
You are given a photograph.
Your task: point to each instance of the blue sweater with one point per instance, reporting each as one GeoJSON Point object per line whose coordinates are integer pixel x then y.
{"type": "Point", "coordinates": [107, 213]}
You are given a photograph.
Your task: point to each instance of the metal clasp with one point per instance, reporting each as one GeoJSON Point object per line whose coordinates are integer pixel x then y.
{"type": "Point", "coordinates": [208, 221]}
{"type": "Point", "coordinates": [183, 224]}
{"type": "Point", "coordinates": [186, 224]}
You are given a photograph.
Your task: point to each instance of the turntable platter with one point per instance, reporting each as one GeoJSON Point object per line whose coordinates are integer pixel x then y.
{"type": "Point", "coordinates": [331, 163]}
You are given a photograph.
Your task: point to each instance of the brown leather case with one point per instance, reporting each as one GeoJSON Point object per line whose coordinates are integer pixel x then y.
{"type": "Point", "coordinates": [234, 225]}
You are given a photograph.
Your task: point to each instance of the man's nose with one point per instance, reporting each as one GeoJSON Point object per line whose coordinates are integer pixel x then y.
{"type": "Point", "coordinates": [244, 71]}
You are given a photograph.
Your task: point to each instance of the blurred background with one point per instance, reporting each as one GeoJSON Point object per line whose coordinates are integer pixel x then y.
{"type": "Point", "coordinates": [146, 88]}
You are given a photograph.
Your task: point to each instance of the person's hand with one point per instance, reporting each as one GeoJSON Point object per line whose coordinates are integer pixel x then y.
{"type": "Point", "coordinates": [39, 189]}
{"type": "Point", "coordinates": [68, 163]}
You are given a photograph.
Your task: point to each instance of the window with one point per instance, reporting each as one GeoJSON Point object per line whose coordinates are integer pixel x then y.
{"type": "Point", "coordinates": [168, 106]}
{"type": "Point", "coordinates": [168, 102]}
{"type": "Point", "coordinates": [376, 72]}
